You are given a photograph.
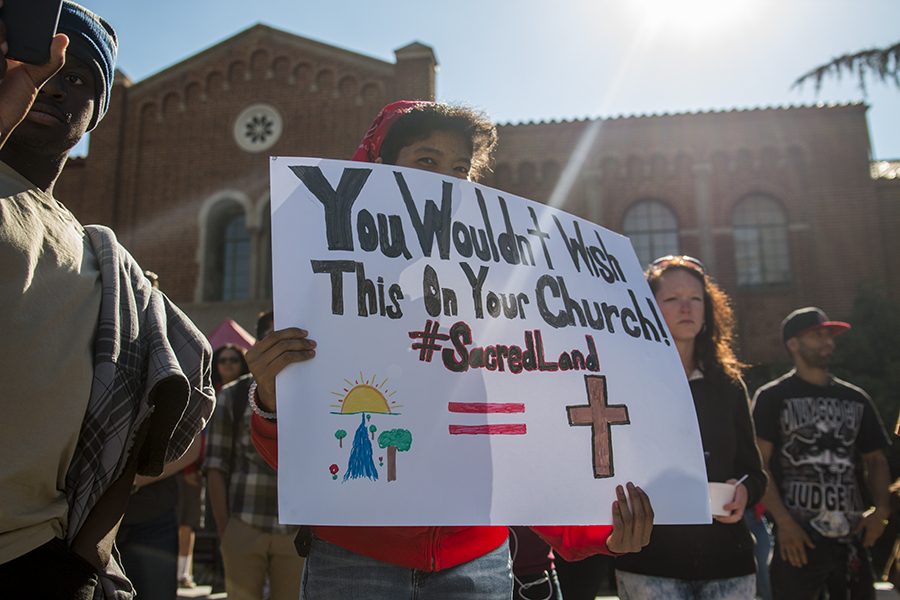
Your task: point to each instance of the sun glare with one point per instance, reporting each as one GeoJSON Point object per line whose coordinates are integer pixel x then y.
{"type": "Point", "coordinates": [694, 16]}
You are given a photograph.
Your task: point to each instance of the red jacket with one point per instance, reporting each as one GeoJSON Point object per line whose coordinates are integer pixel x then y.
{"type": "Point", "coordinates": [434, 548]}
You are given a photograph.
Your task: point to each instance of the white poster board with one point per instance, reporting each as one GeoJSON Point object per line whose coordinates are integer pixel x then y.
{"type": "Point", "coordinates": [482, 359]}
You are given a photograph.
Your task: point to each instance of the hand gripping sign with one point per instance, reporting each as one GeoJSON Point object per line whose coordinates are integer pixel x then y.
{"type": "Point", "coordinates": [482, 359]}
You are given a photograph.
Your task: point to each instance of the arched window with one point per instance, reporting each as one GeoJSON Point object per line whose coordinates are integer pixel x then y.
{"type": "Point", "coordinates": [761, 242]}
{"type": "Point", "coordinates": [653, 230]}
{"type": "Point", "coordinates": [236, 260]}
{"type": "Point", "coordinates": [550, 172]}
{"type": "Point", "coordinates": [527, 176]}
{"type": "Point", "coordinates": [227, 264]}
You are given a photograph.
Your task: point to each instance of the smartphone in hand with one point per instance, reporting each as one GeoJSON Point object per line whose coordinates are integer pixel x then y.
{"type": "Point", "coordinates": [30, 27]}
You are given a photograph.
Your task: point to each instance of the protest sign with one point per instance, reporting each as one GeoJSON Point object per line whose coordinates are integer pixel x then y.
{"type": "Point", "coordinates": [482, 359]}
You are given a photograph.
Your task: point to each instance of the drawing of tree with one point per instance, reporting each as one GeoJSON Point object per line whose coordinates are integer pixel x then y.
{"type": "Point", "coordinates": [372, 430]}
{"type": "Point", "coordinates": [361, 463]}
{"type": "Point", "coordinates": [394, 440]}
{"type": "Point", "coordinates": [340, 434]}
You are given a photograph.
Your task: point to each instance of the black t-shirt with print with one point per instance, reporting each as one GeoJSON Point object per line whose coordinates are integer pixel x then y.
{"type": "Point", "coordinates": [818, 434]}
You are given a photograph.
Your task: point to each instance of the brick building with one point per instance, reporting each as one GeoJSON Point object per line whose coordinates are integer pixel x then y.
{"type": "Point", "coordinates": [782, 204]}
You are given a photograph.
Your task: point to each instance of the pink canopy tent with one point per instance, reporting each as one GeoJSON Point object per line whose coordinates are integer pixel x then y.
{"type": "Point", "coordinates": [230, 332]}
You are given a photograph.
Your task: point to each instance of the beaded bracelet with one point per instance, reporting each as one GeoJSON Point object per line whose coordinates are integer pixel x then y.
{"type": "Point", "coordinates": [251, 398]}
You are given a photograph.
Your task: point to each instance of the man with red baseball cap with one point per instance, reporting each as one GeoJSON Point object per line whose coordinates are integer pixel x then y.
{"type": "Point", "coordinates": [810, 428]}
{"type": "Point", "coordinates": [807, 319]}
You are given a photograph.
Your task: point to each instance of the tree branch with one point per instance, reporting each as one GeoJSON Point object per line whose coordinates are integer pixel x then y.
{"type": "Point", "coordinates": [881, 63]}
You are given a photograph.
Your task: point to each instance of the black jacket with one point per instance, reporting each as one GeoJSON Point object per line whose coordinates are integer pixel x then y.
{"type": "Point", "coordinates": [715, 551]}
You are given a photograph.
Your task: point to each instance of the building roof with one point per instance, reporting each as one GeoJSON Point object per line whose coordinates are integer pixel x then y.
{"type": "Point", "coordinates": [261, 30]}
{"type": "Point", "coordinates": [714, 111]}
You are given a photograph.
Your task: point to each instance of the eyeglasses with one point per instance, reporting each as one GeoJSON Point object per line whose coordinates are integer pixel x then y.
{"type": "Point", "coordinates": [228, 359]}
{"type": "Point", "coordinates": [677, 260]}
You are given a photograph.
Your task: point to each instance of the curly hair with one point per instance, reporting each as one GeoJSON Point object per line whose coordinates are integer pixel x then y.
{"type": "Point", "coordinates": [714, 345]}
{"type": "Point", "coordinates": [421, 121]}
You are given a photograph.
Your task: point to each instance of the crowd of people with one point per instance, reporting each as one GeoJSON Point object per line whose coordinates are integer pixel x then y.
{"type": "Point", "coordinates": [107, 445]}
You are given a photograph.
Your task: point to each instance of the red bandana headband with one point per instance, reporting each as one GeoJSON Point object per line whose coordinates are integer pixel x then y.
{"type": "Point", "coordinates": [370, 147]}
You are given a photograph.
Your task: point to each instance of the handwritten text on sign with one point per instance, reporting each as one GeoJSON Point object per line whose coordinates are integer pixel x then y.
{"type": "Point", "coordinates": [478, 351]}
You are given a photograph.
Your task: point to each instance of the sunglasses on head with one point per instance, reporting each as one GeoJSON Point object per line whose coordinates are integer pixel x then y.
{"type": "Point", "coordinates": [678, 260]}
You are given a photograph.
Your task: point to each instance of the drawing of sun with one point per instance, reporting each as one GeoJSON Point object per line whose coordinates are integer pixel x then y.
{"type": "Point", "coordinates": [365, 396]}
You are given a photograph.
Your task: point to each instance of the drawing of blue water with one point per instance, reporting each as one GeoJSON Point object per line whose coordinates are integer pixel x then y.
{"type": "Point", "coordinates": [361, 463]}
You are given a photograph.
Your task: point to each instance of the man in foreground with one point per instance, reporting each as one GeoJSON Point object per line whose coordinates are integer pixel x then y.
{"type": "Point", "coordinates": [106, 378]}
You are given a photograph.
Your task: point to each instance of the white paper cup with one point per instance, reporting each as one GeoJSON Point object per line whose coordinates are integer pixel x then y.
{"type": "Point", "coordinates": [720, 494]}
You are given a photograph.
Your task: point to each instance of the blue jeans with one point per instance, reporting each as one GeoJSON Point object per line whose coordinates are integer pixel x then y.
{"type": "Point", "coordinates": [763, 550]}
{"type": "Point", "coordinates": [647, 587]}
{"type": "Point", "coordinates": [149, 553]}
{"type": "Point", "coordinates": [332, 573]}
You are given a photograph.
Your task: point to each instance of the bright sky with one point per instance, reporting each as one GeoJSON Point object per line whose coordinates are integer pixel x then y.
{"type": "Point", "coordinates": [524, 60]}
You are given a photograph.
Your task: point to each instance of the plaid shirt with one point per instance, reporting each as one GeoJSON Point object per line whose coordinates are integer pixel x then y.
{"type": "Point", "coordinates": [142, 340]}
{"type": "Point", "coordinates": [252, 484]}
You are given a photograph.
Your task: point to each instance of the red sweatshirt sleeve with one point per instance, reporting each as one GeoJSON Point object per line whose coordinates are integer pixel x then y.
{"type": "Point", "coordinates": [264, 434]}
{"type": "Point", "coordinates": [575, 542]}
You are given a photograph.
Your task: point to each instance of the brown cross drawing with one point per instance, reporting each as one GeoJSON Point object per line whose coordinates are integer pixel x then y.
{"type": "Point", "coordinates": [601, 417]}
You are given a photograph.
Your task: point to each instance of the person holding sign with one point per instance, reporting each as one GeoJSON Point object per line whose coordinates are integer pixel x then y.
{"type": "Point", "coordinates": [703, 561]}
{"type": "Point", "coordinates": [432, 562]}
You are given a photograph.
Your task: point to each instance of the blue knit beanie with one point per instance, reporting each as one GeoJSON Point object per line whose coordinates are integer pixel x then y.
{"type": "Point", "coordinates": [93, 41]}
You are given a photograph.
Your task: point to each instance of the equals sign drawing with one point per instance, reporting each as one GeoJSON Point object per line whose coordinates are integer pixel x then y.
{"type": "Point", "coordinates": [486, 408]}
